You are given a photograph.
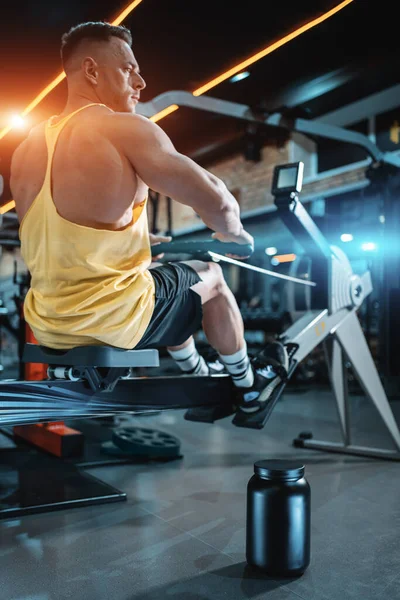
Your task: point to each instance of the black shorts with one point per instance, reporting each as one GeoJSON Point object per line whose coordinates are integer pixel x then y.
{"type": "Point", "coordinates": [178, 310]}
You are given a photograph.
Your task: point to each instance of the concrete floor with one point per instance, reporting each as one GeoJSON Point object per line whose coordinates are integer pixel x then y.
{"type": "Point", "coordinates": [181, 532]}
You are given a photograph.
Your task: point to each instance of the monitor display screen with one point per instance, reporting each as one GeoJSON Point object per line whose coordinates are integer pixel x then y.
{"type": "Point", "coordinates": [287, 178]}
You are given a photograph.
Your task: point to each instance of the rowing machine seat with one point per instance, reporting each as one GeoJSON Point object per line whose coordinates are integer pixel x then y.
{"type": "Point", "coordinates": [91, 356]}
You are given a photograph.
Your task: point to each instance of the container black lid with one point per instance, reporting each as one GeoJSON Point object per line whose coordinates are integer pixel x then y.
{"type": "Point", "coordinates": [279, 469]}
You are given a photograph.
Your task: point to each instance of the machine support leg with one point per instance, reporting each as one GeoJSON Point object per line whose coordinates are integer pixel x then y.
{"type": "Point", "coordinates": [337, 374]}
{"type": "Point", "coordinates": [348, 339]}
{"type": "Point", "coordinates": [353, 342]}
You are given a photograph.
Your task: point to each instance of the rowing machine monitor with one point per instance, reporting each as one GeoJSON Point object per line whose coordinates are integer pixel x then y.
{"type": "Point", "coordinates": [288, 179]}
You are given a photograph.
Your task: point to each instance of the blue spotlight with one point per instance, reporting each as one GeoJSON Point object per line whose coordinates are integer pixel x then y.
{"type": "Point", "coordinates": [239, 76]}
{"type": "Point", "coordinates": [346, 237]}
{"type": "Point", "coordinates": [368, 246]}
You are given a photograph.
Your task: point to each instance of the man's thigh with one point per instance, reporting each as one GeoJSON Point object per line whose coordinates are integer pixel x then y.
{"type": "Point", "coordinates": [178, 308]}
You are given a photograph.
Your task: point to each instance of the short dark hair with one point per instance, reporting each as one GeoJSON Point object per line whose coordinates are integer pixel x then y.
{"type": "Point", "coordinates": [92, 30]}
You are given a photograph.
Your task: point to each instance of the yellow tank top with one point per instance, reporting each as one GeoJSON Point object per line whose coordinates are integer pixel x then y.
{"type": "Point", "coordinates": [88, 286]}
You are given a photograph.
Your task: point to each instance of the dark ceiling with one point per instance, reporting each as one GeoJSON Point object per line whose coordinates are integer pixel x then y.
{"type": "Point", "coordinates": [181, 44]}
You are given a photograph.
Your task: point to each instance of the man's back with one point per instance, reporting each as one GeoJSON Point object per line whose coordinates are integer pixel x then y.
{"type": "Point", "coordinates": [93, 182]}
{"type": "Point", "coordinates": [87, 252]}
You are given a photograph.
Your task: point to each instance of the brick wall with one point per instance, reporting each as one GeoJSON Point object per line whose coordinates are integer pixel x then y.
{"type": "Point", "coordinates": [250, 183]}
{"type": "Point", "coordinates": [334, 181]}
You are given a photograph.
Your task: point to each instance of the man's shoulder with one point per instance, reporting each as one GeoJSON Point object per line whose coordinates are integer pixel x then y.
{"type": "Point", "coordinates": [34, 134]}
{"type": "Point", "coordinates": [125, 119]}
{"type": "Point", "coordinates": [33, 140]}
{"type": "Point", "coordinates": [38, 129]}
{"type": "Point", "coordinates": [121, 128]}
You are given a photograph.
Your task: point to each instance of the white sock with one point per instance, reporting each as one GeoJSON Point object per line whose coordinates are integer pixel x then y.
{"type": "Point", "coordinates": [189, 360]}
{"type": "Point", "coordinates": [239, 367]}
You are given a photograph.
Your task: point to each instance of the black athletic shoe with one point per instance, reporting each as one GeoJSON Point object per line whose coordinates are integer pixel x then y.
{"type": "Point", "coordinates": [270, 368]}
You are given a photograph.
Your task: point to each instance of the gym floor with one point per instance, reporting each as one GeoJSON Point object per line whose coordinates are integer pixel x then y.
{"type": "Point", "coordinates": [181, 532]}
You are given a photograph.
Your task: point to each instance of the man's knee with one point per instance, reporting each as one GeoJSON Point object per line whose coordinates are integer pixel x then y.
{"type": "Point", "coordinates": [213, 276]}
{"type": "Point", "coordinates": [210, 272]}
{"type": "Point", "coordinates": [212, 282]}
{"type": "Point", "coordinates": [217, 273]}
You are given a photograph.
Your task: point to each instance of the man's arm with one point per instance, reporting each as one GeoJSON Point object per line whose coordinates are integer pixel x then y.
{"type": "Point", "coordinates": [165, 170]}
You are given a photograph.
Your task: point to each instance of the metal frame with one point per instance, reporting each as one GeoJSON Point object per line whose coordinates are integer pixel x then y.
{"type": "Point", "coordinates": [342, 336]}
{"type": "Point", "coordinates": [242, 111]}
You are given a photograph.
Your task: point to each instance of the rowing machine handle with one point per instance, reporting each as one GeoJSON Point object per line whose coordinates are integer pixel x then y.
{"type": "Point", "coordinates": [201, 247]}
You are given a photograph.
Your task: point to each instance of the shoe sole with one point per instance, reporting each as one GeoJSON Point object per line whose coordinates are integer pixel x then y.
{"type": "Point", "coordinates": [264, 396]}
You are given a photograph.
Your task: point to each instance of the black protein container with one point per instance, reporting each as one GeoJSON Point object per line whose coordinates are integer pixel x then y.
{"type": "Point", "coordinates": [278, 518]}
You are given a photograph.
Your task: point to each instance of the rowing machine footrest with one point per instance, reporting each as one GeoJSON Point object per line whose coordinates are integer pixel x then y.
{"type": "Point", "coordinates": [258, 420]}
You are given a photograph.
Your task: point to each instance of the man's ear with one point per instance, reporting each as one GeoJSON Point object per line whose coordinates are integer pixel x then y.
{"type": "Point", "coordinates": [90, 69]}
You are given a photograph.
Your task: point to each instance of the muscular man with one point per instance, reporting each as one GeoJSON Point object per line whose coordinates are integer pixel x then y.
{"type": "Point", "coordinates": [80, 183]}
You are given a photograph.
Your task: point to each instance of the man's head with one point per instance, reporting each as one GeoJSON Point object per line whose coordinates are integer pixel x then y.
{"type": "Point", "coordinates": [98, 57]}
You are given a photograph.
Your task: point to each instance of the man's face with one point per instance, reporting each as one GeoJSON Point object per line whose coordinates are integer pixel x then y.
{"type": "Point", "coordinates": [119, 81]}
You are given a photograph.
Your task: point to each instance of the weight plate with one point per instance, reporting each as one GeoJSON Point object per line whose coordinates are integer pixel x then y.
{"type": "Point", "coordinates": [146, 442]}
{"type": "Point", "coordinates": [112, 450]}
